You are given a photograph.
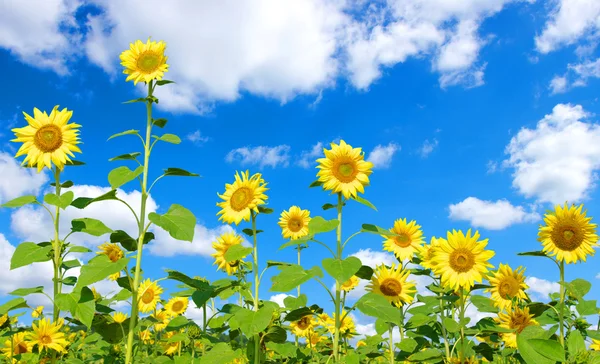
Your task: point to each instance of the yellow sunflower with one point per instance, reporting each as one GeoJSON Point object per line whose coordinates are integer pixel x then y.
{"type": "Point", "coordinates": [461, 259]}
{"type": "Point", "coordinates": [48, 139]}
{"type": "Point", "coordinates": [568, 234]}
{"type": "Point", "coordinates": [163, 320]}
{"type": "Point", "coordinates": [507, 285]}
{"type": "Point", "coordinates": [243, 196]}
{"type": "Point", "coordinates": [19, 345]}
{"type": "Point", "coordinates": [516, 319]}
{"type": "Point", "coordinates": [146, 337]}
{"type": "Point", "coordinates": [46, 335]}
{"type": "Point", "coordinates": [391, 283]}
{"type": "Point", "coordinates": [97, 295]}
{"type": "Point", "coordinates": [304, 326]}
{"type": "Point", "coordinates": [171, 348]}
{"type": "Point", "coordinates": [37, 312]}
{"type": "Point", "coordinates": [111, 250]}
{"type": "Point", "coordinates": [294, 223]}
{"type": "Point", "coordinates": [176, 306]}
{"type": "Point", "coordinates": [314, 339]}
{"type": "Point", "coordinates": [595, 345]}
{"type": "Point", "coordinates": [3, 319]}
{"type": "Point", "coordinates": [144, 62]}
{"type": "Point", "coordinates": [426, 253]}
{"type": "Point", "coordinates": [350, 284]}
{"type": "Point", "coordinates": [361, 343]}
{"type": "Point", "coordinates": [114, 277]}
{"type": "Point", "coordinates": [223, 243]}
{"type": "Point", "coordinates": [347, 326]}
{"type": "Point", "coordinates": [119, 317]}
{"type": "Point", "coordinates": [344, 170]}
{"type": "Point", "coordinates": [409, 240]}
{"type": "Point", "coordinates": [148, 296]}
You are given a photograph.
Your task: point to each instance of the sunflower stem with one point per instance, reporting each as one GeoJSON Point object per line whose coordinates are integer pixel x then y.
{"type": "Point", "coordinates": [462, 328]}
{"type": "Point", "coordinates": [336, 337]}
{"type": "Point", "coordinates": [57, 248]}
{"type": "Point", "coordinates": [561, 313]}
{"type": "Point", "coordinates": [141, 229]}
{"type": "Point", "coordinates": [391, 330]}
{"type": "Point", "coordinates": [444, 334]}
{"type": "Point", "coordinates": [256, 286]}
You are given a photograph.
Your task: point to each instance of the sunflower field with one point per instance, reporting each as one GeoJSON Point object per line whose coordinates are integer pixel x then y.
{"type": "Point", "coordinates": [414, 324]}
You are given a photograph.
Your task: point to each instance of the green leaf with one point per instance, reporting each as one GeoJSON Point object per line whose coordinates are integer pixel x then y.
{"type": "Point", "coordinates": [328, 206]}
{"type": "Point", "coordinates": [586, 308]}
{"type": "Point", "coordinates": [160, 122]}
{"type": "Point", "coordinates": [265, 210]}
{"type": "Point", "coordinates": [177, 323]}
{"type": "Point", "coordinates": [298, 313]}
{"type": "Point", "coordinates": [374, 229]}
{"type": "Point", "coordinates": [538, 253]}
{"type": "Point", "coordinates": [528, 353]}
{"type": "Point", "coordinates": [319, 225]}
{"type": "Point", "coordinates": [74, 163]}
{"type": "Point", "coordinates": [483, 304]}
{"type": "Point", "coordinates": [81, 304]}
{"type": "Point", "coordinates": [286, 350]}
{"type": "Point", "coordinates": [179, 222]}
{"type": "Point", "coordinates": [374, 305]}
{"type": "Point", "coordinates": [315, 184]}
{"type": "Point", "coordinates": [68, 264]}
{"type": "Point", "coordinates": [341, 270]}
{"type": "Point", "coordinates": [99, 268]}
{"type": "Point", "coordinates": [169, 138]}
{"type": "Point", "coordinates": [164, 82]}
{"type": "Point", "coordinates": [79, 249]}
{"type": "Point", "coordinates": [409, 345]}
{"type": "Point", "coordinates": [427, 354]}
{"type": "Point", "coordinates": [62, 201]}
{"type": "Point", "coordinates": [27, 253]}
{"type": "Point", "coordinates": [127, 132]}
{"type": "Point", "coordinates": [126, 157]}
{"type": "Point", "coordinates": [250, 232]}
{"type": "Point", "coordinates": [220, 353]}
{"type": "Point", "coordinates": [419, 319]}
{"type": "Point", "coordinates": [548, 348]}
{"type": "Point", "coordinates": [20, 201]}
{"type": "Point", "coordinates": [121, 175]}
{"type": "Point", "coordinates": [252, 322]}
{"type": "Point", "coordinates": [27, 291]}
{"type": "Point", "coordinates": [275, 334]}
{"type": "Point", "coordinates": [364, 202]}
{"type": "Point", "coordinates": [141, 99]}
{"type": "Point", "coordinates": [179, 172]}
{"type": "Point", "coordinates": [69, 281]}
{"type": "Point", "coordinates": [90, 226]}
{"type": "Point", "coordinates": [451, 325]}
{"type": "Point", "coordinates": [13, 305]}
{"type": "Point", "coordinates": [578, 287]}
{"type": "Point", "coordinates": [296, 242]}
{"type": "Point", "coordinates": [575, 343]}
{"type": "Point", "coordinates": [293, 303]}
{"type": "Point", "coordinates": [83, 202]}
{"type": "Point", "coordinates": [292, 276]}
{"type": "Point", "coordinates": [127, 242]}
{"type": "Point", "coordinates": [237, 252]}
{"type": "Point", "coordinates": [365, 272]}
{"type": "Point", "coordinates": [65, 184]}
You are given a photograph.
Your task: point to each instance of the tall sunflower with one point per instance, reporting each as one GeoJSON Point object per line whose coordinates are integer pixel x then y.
{"type": "Point", "coordinates": [507, 285]}
{"type": "Point", "coordinates": [148, 296]}
{"type": "Point", "coordinates": [119, 317]}
{"type": "Point", "coordinates": [516, 319]}
{"type": "Point", "coordinates": [409, 240]}
{"type": "Point", "coordinates": [48, 139]}
{"type": "Point", "coordinates": [391, 283]}
{"type": "Point", "coordinates": [344, 170]}
{"type": "Point", "coordinates": [568, 234]}
{"type": "Point", "coordinates": [426, 253]}
{"type": "Point", "coordinates": [294, 223]}
{"type": "Point", "coordinates": [243, 196]}
{"type": "Point", "coordinates": [18, 343]}
{"type": "Point", "coordinates": [176, 306]}
{"type": "Point", "coordinates": [461, 259]}
{"type": "Point", "coordinates": [46, 335]}
{"type": "Point", "coordinates": [304, 326]}
{"type": "Point", "coordinates": [350, 284]}
{"type": "Point", "coordinates": [223, 243]}
{"type": "Point", "coordinates": [144, 62]}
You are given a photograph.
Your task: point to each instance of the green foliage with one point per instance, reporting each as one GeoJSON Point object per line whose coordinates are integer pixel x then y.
{"type": "Point", "coordinates": [178, 221]}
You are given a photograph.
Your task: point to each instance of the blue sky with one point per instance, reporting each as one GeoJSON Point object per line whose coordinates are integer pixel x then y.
{"type": "Point", "coordinates": [476, 114]}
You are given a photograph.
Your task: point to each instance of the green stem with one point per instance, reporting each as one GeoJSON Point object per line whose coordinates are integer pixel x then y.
{"type": "Point", "coordinates": [57, 248]}
{"type": "Point", "coordinates": [256, 286]}
{"type": "Point", "coordinates": [561, 313]}
{"type": "Point", "coordinates": [141, 229]}
{"type": "Point", "coordinates": [444, 334]}
{"type": "Point", "coordinates": [391, 330]}
{"type": "Point", "coordinates": [462, 328]}
{"type": "Point", "coordinates": [338, 287]}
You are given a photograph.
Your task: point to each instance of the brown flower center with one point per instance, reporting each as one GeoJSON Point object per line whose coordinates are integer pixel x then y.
{"type": "Point", "coordinates": [295, 224]}
{"type": "Point", "coordinates": [462, 260]}
{"type": "Point", "coordinates": [148, 61]}
{"type": "Point", "coordinates": [45, 339]}
{"type": "Point", "coordinates": [390, 287]}
{"type": "Point", "coordinates": [567, 237]}
{"type": "Point", "coordinates": [177, 306]}
{"type": "Point", "coordinates": [48, 138]}
{"type": "Point", "coordinates": [21, 348]}
{"type": "Point", "coordinates": [403, 240]}
{"type": "Point", "coordinates": [519, 321]}
{"type": "Point", "coordinates": [304, 323]}
{"type": "Point", "coordinates": [241, 198]}
{"type": "Point", "coordinates": [508, 287]}
{"type": "Point", "coordinates": [345, 170]}
{"type": "Point", "coordinates": [148, 296]}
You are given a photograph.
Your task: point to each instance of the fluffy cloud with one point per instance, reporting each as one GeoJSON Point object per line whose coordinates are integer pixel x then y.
{"type": "Point", "coordinates": [261, 156]}
{"type": "Point", "coordinates": [492, 215]}
{"type": "Point", "coordinates": [556, 161]}
{"type": "Point", "coordinates": [197, 138]}
{"type": "Point", "coordinates": [278, 298]}
{"type": "Point", "coordinates": [308, 157]}
{"type": "Point", "coordinates": [382, 155]}
{"type": "Point", "coordinates": [17, 181]}
{"type": "Point", "coordinates": [558, 84]}
{"type": "Point", "coordinates": [541, 287]}
{"type": "Point", "coordinates": [428, 147]}
{"type": "Point", "coordinates": [577, 75]}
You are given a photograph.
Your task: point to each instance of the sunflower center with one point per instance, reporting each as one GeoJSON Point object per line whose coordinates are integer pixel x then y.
{"type": "Point", "coordinates": [402, 240]}
{"type": "Point", "coordinates": [177, 306]}
{"type": "Point", "coordinates": [390, 287]}
{"type": "Point", "coordinates": [45, 339]}
{"type": "Point", "coordinates": [148, 296]}
{"type": "Point", "coordinates": [241, 198]}
{"type": "Point", "coordinates": [567, 237]}
{"type": "Point", "coordinates": [303, 323]}
{"type": "Point", "coordinates": [295, 225]}
{"type": "Point", "coordinates": [519, 321]}
{"type": "Point", "coordinates": [462, 260]}
{"type": "Point", "coordinates": [508, 288]}
{"type": "Point", "coordinates": [148, 61]}
{"type": "Point", "coordinates": [48, 138]}
{"type": "Point", "coordinates": [21, 348]}
{"type": "Point", "coordinates": [345, 170]}
{"type": "Point", "coordinates": [234, 263]}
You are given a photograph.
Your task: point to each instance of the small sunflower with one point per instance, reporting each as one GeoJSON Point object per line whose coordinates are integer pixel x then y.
{"type": "Point", "coordinates": [37, 312]}
{"type": "Point", "coordinates": [347, 326]}
{"type": "Point", "coordinates": [516, 319]}
{"type": "Point", "coordinates": [304, 326]}
{"type": "Point", "coordinates": [97, 295]}
{"type": "Point", "coordinates": [294, 223]}
{"type": "Point", "coordinates": [344, 170]}
{"type": "Point", "coordinates": [144, 62]}
{"type": "Point", "coordinates": [350, 284]}
{"type": "Point", "coordinates": [170, 348]}
{"type": "Point", "coordinates": [461, 259]}
{"type": "Point", "coordinates": [162, 317]}
{"type": "Point", "coordinates": [114, 277]}
{"type": "Point", "coordinates": [507, 285]}
{"type": "Point", "coordinates": [176, 306]}
{"type": "Point", "coordinates": [427, 252]}
{"type": "Point", "coordinates": [119, 317]}
{"type": "Point", "coordinates": [391, 283]}
{"type": "Point", "coordinates": [568, 234]}
{"type": "Point", "coordinates": [314, 338]}
{"type": "Point", "coordinates": [112, 251]}
{"type": "Point", "coordinates": [146, 337]}
{"type": "Point", "coordinates": [408, 242]}
{"type": "Point", "coordinates": [48, 139]}
{"type": "Point", "coordinates": [46, 335]}
{"type": "Point", "coordinates": [148, 296]}
{"type": "Point", "coordinates": [3, 320]}
{"type": "Point", "coordinates": [595, 345]}
{"type": "Point", "coordinates": [223, 243]}
{"type": "Point", "coordinates": [243, 196]}
{"type": "Point", "coordinates": [18, 343]}
{"type": "Point", "coordinates": [361, 343]}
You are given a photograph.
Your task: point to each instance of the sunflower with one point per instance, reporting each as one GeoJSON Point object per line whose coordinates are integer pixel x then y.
{"type": "Point", "coordinates": [303, 326]}
{"type": "Point", "coordinates": [426, 253]}
{"type": "Point", "coordinates": [97, 295]}
{"type": "Point", "coordinates": [507, 285]}
{"type": "Point", "coordinates": [361, 343]}
{"type": "Point", "coordinates": [37, 312]}
{"type": "Point", "coordinates": [171, 348]}
{"type": "Point", "coordinates": [114, 277]}
{"type": "Point", "coordinates": [48, 139]}
{"type": "Point", "coordinates": [111, 250]}
{"type": "Point", "coordinates": [350, 284]}
{"type": "Point", "coordinates": [409, 240]}
{"type": "Point", "coordinates": [176, 306]}
{"type": "Point", "coordinates": [243, 196]}
{"type": "Point", "coordinates": [223, 243]}
{"type": "Point", "coordinates": [148, 295]}
{"type": "Point", "coordinates": [314, 338]}
{"type": "Point", "coordinates": [461, 259]}
{"type": "Point", "coordinates": [119, 317]}
{"type": "Point", "coordinates": [347, 327]}
{"type": "Point", "coordinates": [517, 319]}
{"type": "Point", "coordinates": [391, 283]}
{"type": "Point", "coordinates": [595, 345]}
{"type": "Point", "coordinates": [568, 234]}
{"type": "Point", "coordinates": [146, 337]}
{"type": "Point", "coordinates": [144, 62]}
{"type": "Point", "coordinates": [294, 223]}
{"type": "Point", "coordinates": [344, 170]}
{"type": "Point", "coordinates": [46, 335]}
{"type": "Point", "coordinates": [3, 320]}
{"type": "Point", "coordinates": [163, 320]}
{"type": "Point", "coordinates": [18, 343]}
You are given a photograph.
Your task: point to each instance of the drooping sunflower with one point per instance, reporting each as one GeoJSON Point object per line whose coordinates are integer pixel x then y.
{"type": "Point", "coordinates": [409, 240]}
{"type": "Point", "coordinates": [48, 139]}
{"type": "Point", "coordinates": [46, 335]}
{"type": "Point", "coordinates": [350, 284]}
{"type": "Point", "coordinates": [148, 295]}
{"type": "Point", "coordinates": [294, 223]}
{"type": "Point", "coordinates": [144, 62]}
{"type": "Point", "coordinates": [163, 319]}
{"type": "Point", "coordinates": [119, 317]}
{"type": "Point", "coordinates": [344, 170]}
{"type": "Point", "coordinates": [568, 234]}
{"type": "Point", "coordinates": [170, 348]}
{"type": "Point", "coordinates": [507, 285]}
{"type": "Point", "coordinates": [19, 345]}
{"type": "Point", "coordinates": [39, 310]}
{"type": "Point", "coordinates": [223, 243]}
{"type": "Point", "coordinates": [243, 196]}
{"type": "Point", "coordinates": [176, 306]}
{"type": "Point", "coordinates": [461, 259]}
{"type": "Point", "coordinates": [426, 253]}
{"type": "Point", "coordinates": [516, 319]}
{"type": "Point", "coordinates": [111, 250]}
{"type": "Point", "coordinates": [304, 326]}
{"type": "Point", "coordinates": [391, 283]}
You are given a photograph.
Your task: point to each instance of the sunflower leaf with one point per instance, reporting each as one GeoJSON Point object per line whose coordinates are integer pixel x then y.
{"type": "Point", "coordinates": [27, 291]}
{"type": "Point", "coordinates": [122, 175]}
{"type": "Point", "coordinates": [169, 138]}
{"type": "Point", "coordinates": [99, 268]}
{"type": "Point", "coordinates": [374, 229]}
{"type": "Point", "coordinates": [13, 305]}
{"type": "Point", "coordinates": [20, 201]}
{"type": "Point", "coordinates": [90, 226]}
{"type": "Point", "coordinates": [250, 232]}
{"type": "Point", "coordinates": [126, 132]}
{"type": "Point", "coordinates": [316, 183]}
{"type": "Point", "coordinates": [164, 82]}
{"type": "Point", "coordinates": [126, 157]}
{"type": "Point", "coordinates": [27, 253]}
{"type": "Point", "coordinates": [293, 275]}
{"type": "Point", "coordinates": [237, 252]}
{"type": "Point", "coordinates": [319, 225]}
{"type": "Point", "coordinates": [178, 221]}
{"type": "Point", "coordinates": [160, 122]}
{"type": "Point", "coordinates": [377, 306]}
{"type": "Point", "coordinates": [538, 253]}
{"type": "Point", "coordinates": [364, 201]}
{"type": "Point", "coordinates": [179, 172]}
{"type": "Point", "coordinates": [341, 270]}
{"type": "Point", "coordinates": [83, 202]}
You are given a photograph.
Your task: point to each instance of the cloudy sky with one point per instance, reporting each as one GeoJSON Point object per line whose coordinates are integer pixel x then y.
{"type": "Point", "coordinates": [476, 113]}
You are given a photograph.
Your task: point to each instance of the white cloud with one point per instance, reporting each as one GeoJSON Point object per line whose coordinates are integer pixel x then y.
{"type": "Point", "coordinates": [308, 157]}
{"type": "Point", "coordinates": [382, 155]}
{"type": "Point", "coordinates": [166, 246]}
{"type": "Point", "coordinates": [373, 258]}
{"type": "Point", "coordinates": [197, 138]}
{"type": "Point", "coordinates": [472, 313]}
{"type": "Point", "coordinates": [577, 75]}
{"type": "Point", "coordinates": [278, 298]}
{"type": "Point", "coordinates": [428, 147]}
{"type": "Point", "coordinates": [197, 314]}
{"type": "Point", "coordinates": [492, 215]}
{"type": "Point", "coordinates": [17, 181]}
{"type": "Point", "coordinates": [262, 156]}
{"type": "Point", "coordinates": [556, 161]}
{"type": "Point", "coordinates": [558, 84]}
{"type": "Point", "coordinates": [541, 287]}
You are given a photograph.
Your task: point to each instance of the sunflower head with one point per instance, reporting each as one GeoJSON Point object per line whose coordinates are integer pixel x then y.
{"type": "Point", "coordinates": [223, 243]}
{"type": "Point", "coordinates": [176, 306]}
{"type": "Point", "coordinates": [595, 345]}
{"type": "Point", "coordinates": [242, 197]}
{"type": "Point", "coordinates": [46, 335]}
{"type": "Point", "coordinates": [18, 343]}
{"type": "Point", "coordinates": [146, 337]}
{"type": "Point", "coordinates": [426, 253]}
{"type": "Point", "coordinates": [409, 239]}
{"type": "Point", "coordinates": [347, 326]}
{"type": "Point", "coordinates": [344, 170]}
{"type": "Point", "coordinates": [516, 319]}
{"type": "Point", "coordinates": [170, 348]}
{"type": "Point", "coordinates": [294, 223]}
{"type": "Point", "coordinates": [508, 285]}
{"type": "Point", "coordinates": [350, 284]}
{"type": "Point", "coordinates": [148, 296]}
{"type": "Point", "coordinates": [391, 283]}
{"type": "Point", "coordinates": [112, 251]}
{"type": "Point", "coordinates": [162, 318]}
{"type": "Point", "coordinates": [119, 317]}
{"type": "Point", "coordinates": [144, 62]}
{"type": "Point", "coordinates": [37, 312]}
{"type": "Point", "coordinates": [568, 234]}
{"type": "Point", "coordinates": [304, 326]}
